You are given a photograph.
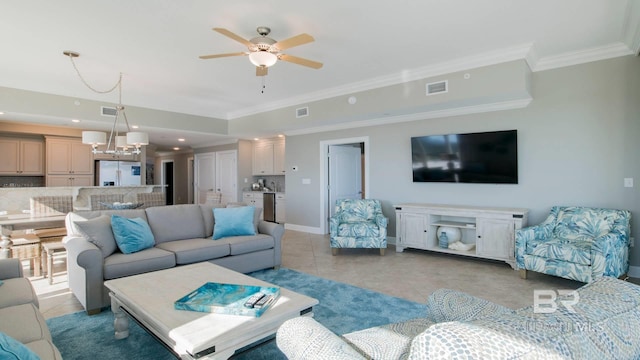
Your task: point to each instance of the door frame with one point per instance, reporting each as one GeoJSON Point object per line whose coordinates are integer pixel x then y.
{"type": "Point", "coordinates": [173, 175]}
{"type": "Point", "coordinates": [324, 174]}
{"type": "Point", "coordinates": [190, 198]}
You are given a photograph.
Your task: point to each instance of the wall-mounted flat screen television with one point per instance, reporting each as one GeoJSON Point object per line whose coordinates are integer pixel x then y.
{"type": "Point", "coordinates": [486, 157]}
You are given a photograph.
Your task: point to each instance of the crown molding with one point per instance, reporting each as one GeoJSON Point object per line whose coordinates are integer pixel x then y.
{"type": "Point", "coordinates": [461, 64]}
{"type": "Point", "coordinates": [465, 110]}
{"type": "Point", "coordinates": [216, 143]}
{"type": "Point", "coordinates": [582, 56]}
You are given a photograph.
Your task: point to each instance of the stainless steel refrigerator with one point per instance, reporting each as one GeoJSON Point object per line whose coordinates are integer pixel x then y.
{"type": "Point", "coordinates": [118, 173]}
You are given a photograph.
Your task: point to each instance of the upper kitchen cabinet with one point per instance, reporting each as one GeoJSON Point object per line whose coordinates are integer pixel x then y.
{"type": "Point", "coordinates": [268, 157]}
{"type": "Point", "coordinates": [68, 156]}
{"type": "Point", "coordinates": [22, 156]}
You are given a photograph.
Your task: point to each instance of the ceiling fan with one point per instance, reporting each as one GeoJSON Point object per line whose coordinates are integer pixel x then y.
{"type": "Point", "coordinates": [264, 51]}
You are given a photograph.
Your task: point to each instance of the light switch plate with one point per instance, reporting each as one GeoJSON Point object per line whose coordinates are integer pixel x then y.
{"type": "Point", "coordinates": [306, 181]}
{"type": "Point", "coordinates": [628, 182]}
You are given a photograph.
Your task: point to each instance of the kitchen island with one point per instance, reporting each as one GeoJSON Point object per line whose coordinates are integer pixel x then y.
{"type": "Point", "coordinates": [16, 199]}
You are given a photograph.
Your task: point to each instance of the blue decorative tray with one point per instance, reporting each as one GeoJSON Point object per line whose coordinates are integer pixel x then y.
{"type": "Point", "coordinates": [226, 299]}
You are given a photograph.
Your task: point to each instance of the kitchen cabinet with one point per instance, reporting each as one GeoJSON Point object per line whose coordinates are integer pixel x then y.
{"type": "Point", "coordinates": [21, 157]}
{"type": "Point", "coordinates": [268, 157]}
{"type": "Point", "coordinates": [68, 156]}
{"type": "Point", "coordinates": [69, 180]}
{"type": "Point", "coordinates": [490, 230]}
{"type": "Point", "coordinates": [254, 199]}
{"type": "Point", "coordinates": [278, 158]}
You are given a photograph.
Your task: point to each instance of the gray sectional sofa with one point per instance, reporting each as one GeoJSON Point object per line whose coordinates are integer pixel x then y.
{"type": "Point", "coordinates": [182, 234]}
{"type": "Point", "coordinates": [20, 317]}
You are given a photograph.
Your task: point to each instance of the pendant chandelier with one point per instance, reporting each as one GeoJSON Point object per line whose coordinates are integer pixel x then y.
{"type": "Point", "coordinates": [118, 143]}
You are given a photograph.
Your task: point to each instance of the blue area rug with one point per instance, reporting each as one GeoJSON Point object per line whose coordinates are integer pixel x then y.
{"type": "Point", "coordinates": [343, 308]}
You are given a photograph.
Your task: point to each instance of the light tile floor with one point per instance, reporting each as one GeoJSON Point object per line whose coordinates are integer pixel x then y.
{"type": "Point", "coordinates": [411, 275]}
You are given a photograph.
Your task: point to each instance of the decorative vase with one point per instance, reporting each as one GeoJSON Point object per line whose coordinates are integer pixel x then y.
{"type": "Point", "coordinates": [447, 235]}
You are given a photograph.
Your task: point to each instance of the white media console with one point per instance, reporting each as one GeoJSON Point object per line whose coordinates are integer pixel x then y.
{"type": "Point", "coordinates": [490, 229]}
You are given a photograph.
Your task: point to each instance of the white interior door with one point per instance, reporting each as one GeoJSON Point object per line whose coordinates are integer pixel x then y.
{"type": "Point", "coordinates": [205, 176]}
{"type": "Point", "coordinates": [227, 175]}
{"type": "Point", "coordinates": [345, 174]}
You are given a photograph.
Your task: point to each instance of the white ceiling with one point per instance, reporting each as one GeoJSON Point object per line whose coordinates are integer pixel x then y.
{"type": "Point", "coordinates": [363, 44]}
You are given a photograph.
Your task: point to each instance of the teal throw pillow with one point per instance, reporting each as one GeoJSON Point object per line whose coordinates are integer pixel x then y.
{"type": "Point", "coordinates": [235, 221]}
{"type": "Point", "coordinates": [11, 348]}
{"type": "Point", "coordinates": [132, 235]}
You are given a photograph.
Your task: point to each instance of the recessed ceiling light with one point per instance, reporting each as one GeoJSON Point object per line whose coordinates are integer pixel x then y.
{"type": "Point", "coordinates": [280, 135]}
{"type": "Point", "coordinates": [176, 148]}
{"type": "Point", "coordinates": [135, 126]}
{"type": "Point", "coordinates": [1, 113]}
{"type": "Point", "coordinates": [256, 139]}
{"type": "Point", "coordinates": [181, 139]}
{"type": "Point", "coordinates": [75, 120]}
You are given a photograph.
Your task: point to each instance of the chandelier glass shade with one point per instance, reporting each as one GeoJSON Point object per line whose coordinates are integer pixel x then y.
{"type": "Point", "coordinates": [117, 143]}
{"type": "Point", "coordinates": [263, 58]}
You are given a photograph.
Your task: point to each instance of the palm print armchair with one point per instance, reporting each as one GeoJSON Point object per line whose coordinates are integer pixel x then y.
{"type": "Point", "coordinates": [358, 223]}
{"type": "Point", "coordinates": [577, 243]}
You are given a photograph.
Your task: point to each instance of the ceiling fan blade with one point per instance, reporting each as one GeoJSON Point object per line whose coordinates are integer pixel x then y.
{"type": "Point", "coordinates": [261, 70]}
{"type": "Point", "coordinates": [300, 61]}
{"type": "Point", "coordinates": [294, 41]}
{"type": "Point", "coordinates": [221, 55]}
{"type": "Point", "coordinates": [235, 37]}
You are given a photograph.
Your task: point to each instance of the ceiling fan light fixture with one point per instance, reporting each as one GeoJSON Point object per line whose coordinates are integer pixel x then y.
{"type": "Point", "coordinates": [263, 58]}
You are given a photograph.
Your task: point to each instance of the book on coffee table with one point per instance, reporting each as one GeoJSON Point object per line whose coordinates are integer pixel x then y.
{"type": "Point", "coordinates": [230, 299]}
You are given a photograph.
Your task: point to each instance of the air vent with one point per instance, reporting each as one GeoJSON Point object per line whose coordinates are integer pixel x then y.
{"type": "Point", "coordinates": [439, 87]}
{"type": "Point", "coordinates": [108, 111]}
{"type": "Point", "coordinates": [302, 112]}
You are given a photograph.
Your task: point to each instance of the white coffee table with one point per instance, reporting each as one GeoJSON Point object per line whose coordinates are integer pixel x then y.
{"type": "Point", "coordinates": [149, 299]}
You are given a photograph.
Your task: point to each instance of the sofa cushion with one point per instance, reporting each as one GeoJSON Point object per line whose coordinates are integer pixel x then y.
{"type": "Point", "coordinates": [247, 244]}
{"type": "Point", "coordinates": [17, 291]}
{"type": "Point", "coordinates": [12, 349]}
{"type": "Point", "coordinates": [391, 341]}
{"type": "Point", "coordinates": [236, 221]}
{"type": "Point", "coordinates": [98, 231]}
{"type": "Point", "coordinates": [44, 349]}
{"type": "Point", "coordinates": [176, 222]}
{"type": "Point", "coordinates": [78, 216]}
{"type": "Point", "coordinates": [152, 259]}
{"type": "Point", "coordinates": [189, 251]}
{"type": "Point", "coordinates": [132, 235]}
{"type": "Point", "coordinates": [24, 323]}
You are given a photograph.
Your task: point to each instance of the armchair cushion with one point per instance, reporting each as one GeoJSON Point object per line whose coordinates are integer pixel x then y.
{"type": "Point", "coordinates": [391, 341]}
{"type": "Point", "coordinates": [360, 228]}
{"type": "Point", "coordinates": [577, 223]}
{"type": "Point", "coordinates": [577, 251]}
